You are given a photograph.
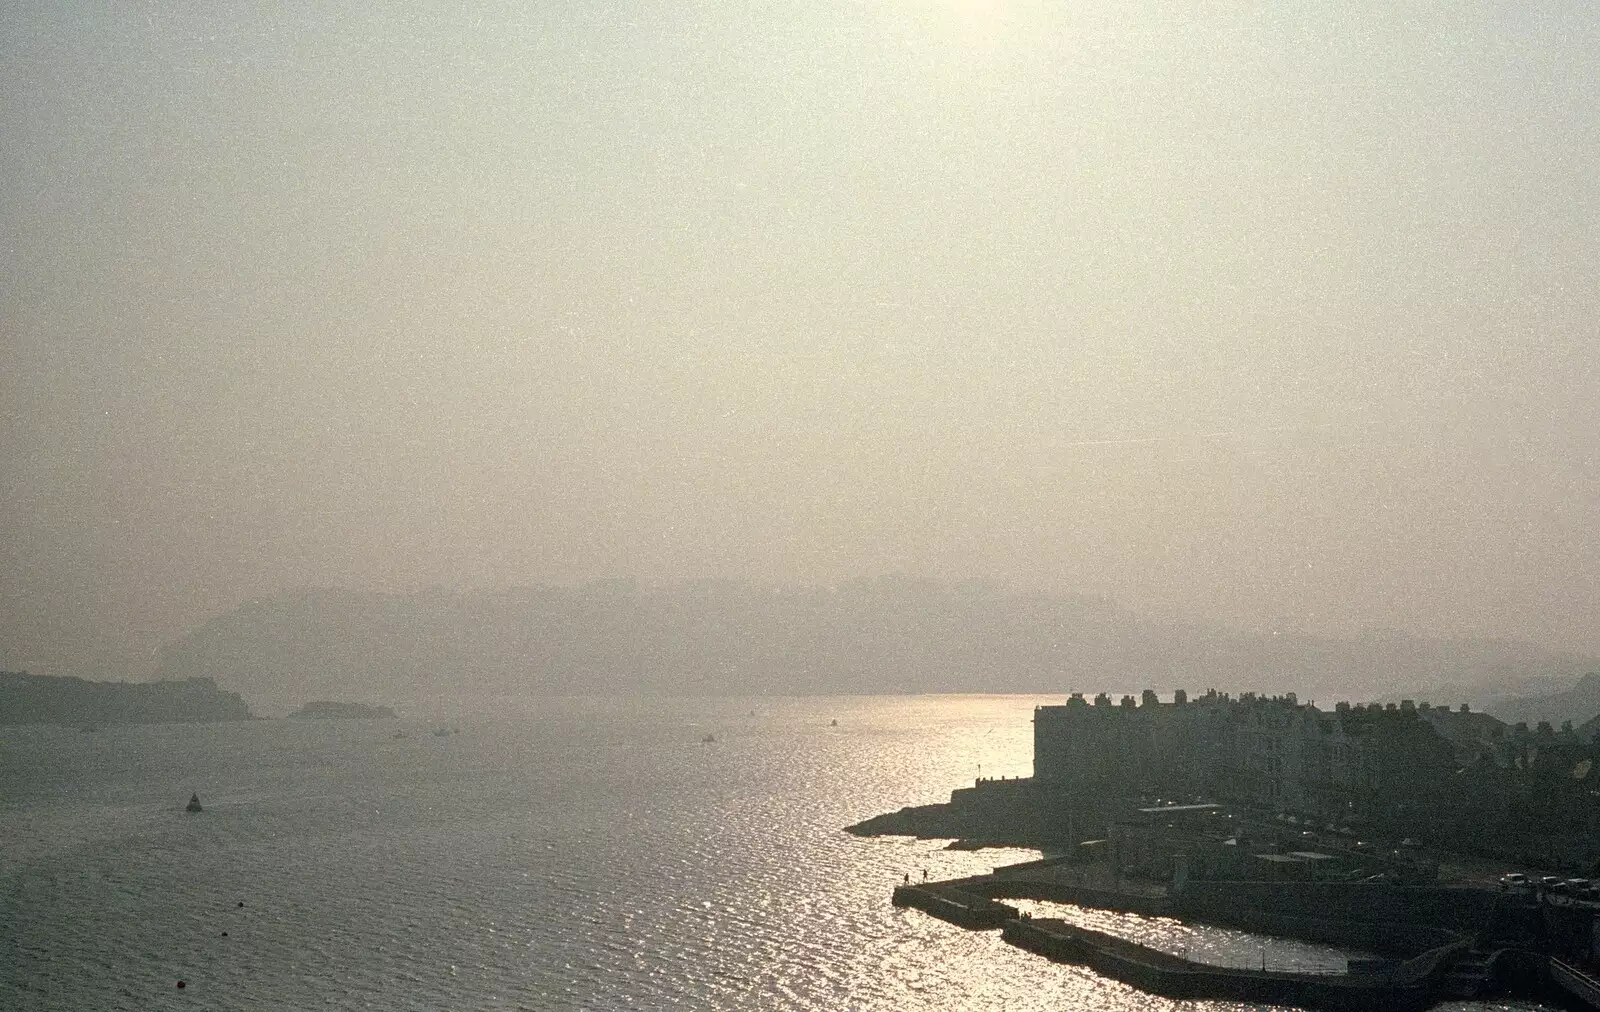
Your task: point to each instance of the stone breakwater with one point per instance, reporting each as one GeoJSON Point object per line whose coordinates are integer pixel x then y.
{"type": "Point", "coordinates": [949, 903]}
{"type": "Point", "coordinates": [1429, 937]}
{"type": "Point", "coordinates": [1410, 986]}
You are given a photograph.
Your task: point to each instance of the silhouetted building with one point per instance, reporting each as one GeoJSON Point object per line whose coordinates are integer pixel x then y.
{"type": "Point", "coordinates": [1268, 751]}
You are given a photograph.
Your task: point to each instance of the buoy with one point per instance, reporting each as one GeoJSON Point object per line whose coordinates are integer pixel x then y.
{"type": "Point", "coordinates": [224, 934]}
{"type": "Point", "coordinates": [241, 903]}
{"type": "Point", "coordinates": [180, 983]}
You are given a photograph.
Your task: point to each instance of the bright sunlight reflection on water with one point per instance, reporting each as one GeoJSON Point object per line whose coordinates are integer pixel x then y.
{"type": "Point", "coordinates": [555, 854]}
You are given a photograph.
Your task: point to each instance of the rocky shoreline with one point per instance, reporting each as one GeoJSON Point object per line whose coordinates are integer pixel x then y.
{"type": "Point", "coordinates": [995, 813]}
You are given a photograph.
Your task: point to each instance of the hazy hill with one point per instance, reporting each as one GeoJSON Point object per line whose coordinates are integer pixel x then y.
{"type": "Point", "coordinates": [42, 699]}
{"type": "Point", "coordinates": [879, 636]}
{"type": "Point", "coordinates": [1579, 703]}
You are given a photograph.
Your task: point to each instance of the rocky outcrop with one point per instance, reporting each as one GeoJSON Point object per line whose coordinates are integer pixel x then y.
{"type": "Point", "coordinates": [994, 813]}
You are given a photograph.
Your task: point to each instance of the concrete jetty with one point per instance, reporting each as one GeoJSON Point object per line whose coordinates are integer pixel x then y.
{"type": "Point", "coordinates": [951, 903]}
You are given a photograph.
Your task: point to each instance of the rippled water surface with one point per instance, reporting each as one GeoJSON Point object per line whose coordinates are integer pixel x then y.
{"type": "Point", "coordinates": [557, 854]}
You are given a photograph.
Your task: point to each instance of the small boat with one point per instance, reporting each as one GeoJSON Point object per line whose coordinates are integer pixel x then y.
{"type": "Point", "coordinates": [194, 804]}
{"type": "Point", "coordinates": [833, 723]}
{"type": "Point", "coordinates": [708, 739]}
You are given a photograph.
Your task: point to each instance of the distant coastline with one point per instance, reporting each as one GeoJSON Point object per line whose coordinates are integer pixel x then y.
{"type": "Point", "coordinates": [46, 699]}
{"type": "Point", "coordinates": [882, 636]}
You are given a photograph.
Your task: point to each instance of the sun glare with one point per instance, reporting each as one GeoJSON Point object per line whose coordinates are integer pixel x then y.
{"type": "Point", "coordinates": [975, 23]}
{"type": "Point", "coordinates": [973, 14]}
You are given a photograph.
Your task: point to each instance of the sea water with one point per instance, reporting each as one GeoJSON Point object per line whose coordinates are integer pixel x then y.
{"type": "Point", "coordinates": [550, 854]}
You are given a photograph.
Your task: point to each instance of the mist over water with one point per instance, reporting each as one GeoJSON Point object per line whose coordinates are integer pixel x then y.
{"type": "Point", "coordinates": [589, 854]}
{"type": "Point", "coordinates": [882, 636]}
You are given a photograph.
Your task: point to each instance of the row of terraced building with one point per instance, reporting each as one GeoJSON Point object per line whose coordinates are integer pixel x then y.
{"type": "Point", "coordinates": [1268, 751]}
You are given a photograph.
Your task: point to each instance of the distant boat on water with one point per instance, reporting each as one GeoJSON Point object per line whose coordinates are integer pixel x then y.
{"type": "Point", "coordinates": [194, 804]}
{"type": "Point", "coordinates": [708, 739]}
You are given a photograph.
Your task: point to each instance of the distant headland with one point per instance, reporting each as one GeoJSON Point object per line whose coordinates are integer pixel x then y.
{"type": "Point", "coordinates": [45, 699]}
{"type": "Point", "coordinates": [324, 710]}
{"type": "Point", "coordinates": [887, 635]}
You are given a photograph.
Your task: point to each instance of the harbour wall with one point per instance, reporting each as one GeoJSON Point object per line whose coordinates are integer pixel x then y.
{"type": "Point", "coordinates": [1077, 895]}
{"type": "Point", "coordinates": [950, 903]}
{"type": "Point", "coordinates": [1400, 917]}
{"type": "Point", "coordinates": [1413, 978]}
{"type": "Point", "coordinates": [1410, 986]}
{"type": "Point", "coordinates": [1390, 920]}
{"type": "Point", "coordinates": [1437, 905]}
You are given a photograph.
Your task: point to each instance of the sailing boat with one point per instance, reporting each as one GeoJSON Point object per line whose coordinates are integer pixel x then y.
{"type": "Point", "coordinates": [194, 804]}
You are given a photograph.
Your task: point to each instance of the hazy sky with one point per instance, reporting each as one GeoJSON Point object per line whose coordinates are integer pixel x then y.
{"type": "Point", "coordinates": [1265, 313]}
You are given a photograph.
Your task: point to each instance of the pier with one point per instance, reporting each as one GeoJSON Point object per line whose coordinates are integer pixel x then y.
{"type": "Point", "coordinates": [950, 903]}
